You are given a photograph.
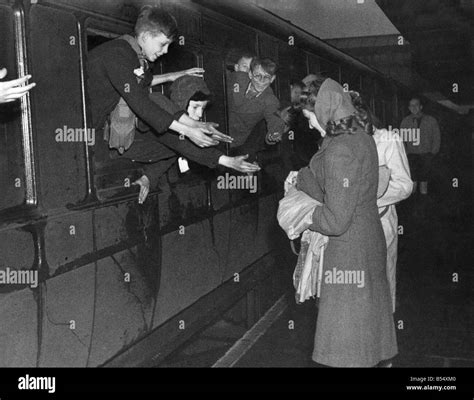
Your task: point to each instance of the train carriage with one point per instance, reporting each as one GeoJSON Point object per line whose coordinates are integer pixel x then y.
{"type": "Point", "coordinates": [123, 284]}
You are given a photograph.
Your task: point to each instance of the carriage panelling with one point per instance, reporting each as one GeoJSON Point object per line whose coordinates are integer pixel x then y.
{"type": "Point", "coordinates": [54, 57]}
{"type": "Point", "coordinates": [175, 268]}
{"type": "Point", "coordinates": [221, 35]}
{"type": "Point", "coordinates": [350, 79]}
{"type": "Point", "coordinates": [330, 69]}
{"type": "Point", "coordinates": [267, 46]}
{"type": "Point", "coordinates": [314, 64]}
{"type": "Point", "coordinates": [179, 57]}
{"type": "Point", "coordinates": [213, 64]}
{"type": "Point", "coordinates": [292, 61]}
{"type": "Point", "coordinates": [189, 23]}
{"type": "Point", "coordinates": [68, 315]}
{"type": "Point", "coordinates": [19, 328]}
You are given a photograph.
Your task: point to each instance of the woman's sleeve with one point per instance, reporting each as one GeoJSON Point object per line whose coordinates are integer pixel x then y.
{"type": "Point", "coordinates": [306, 182]}
{"type": "Point", "coordinates": [400, 184]}
{"type": "Point", "coordinates": [342, 183]}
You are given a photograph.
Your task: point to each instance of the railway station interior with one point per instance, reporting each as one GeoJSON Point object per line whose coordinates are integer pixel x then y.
{"type": "Point", "coordinates": [180, 269]}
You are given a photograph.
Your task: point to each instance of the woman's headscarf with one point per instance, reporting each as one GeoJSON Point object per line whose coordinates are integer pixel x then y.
{"type": "Point", "coordinates": [332, 103]}
{"type": "Point", "coordinates": [333, 108]}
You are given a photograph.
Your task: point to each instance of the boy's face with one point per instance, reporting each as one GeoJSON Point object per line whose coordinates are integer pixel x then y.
{"type": "Point", "coordinates": [196, 109]}
{"type": "Point", "coordinates": [415, 107]}
{"type": "Point", "coordinates": [260, 78]}
{"type": "Point", "coordinates": [153, 46]}
{"type": "Point", "coordinates": [295, 94]}
{"type": "Point", "coordinates": [243, 65]}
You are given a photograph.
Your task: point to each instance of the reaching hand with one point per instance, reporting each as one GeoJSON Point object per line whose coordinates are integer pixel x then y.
{"type": "Point", "coordinates": [12, 90]}
{"type": "Point", "coordinates": [144, 183]}
{"type": "Point", "coordinates": [239, 164]}
{"type": "Point", "coordinates": [210, 127]}
{"type": "Point", "coordinates": [199, 137]}
{"type": "Point", "coordinates": [199, 72]}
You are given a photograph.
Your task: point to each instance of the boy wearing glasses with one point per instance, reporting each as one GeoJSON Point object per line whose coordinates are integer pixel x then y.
{"type": "Point", "coordinates": [251, 100]}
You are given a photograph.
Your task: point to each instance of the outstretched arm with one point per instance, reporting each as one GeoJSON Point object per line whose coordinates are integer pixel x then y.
{"type": "Point", "coordinates": [172, 76]}
{"type": "Point", "coordinates": [276, 127]}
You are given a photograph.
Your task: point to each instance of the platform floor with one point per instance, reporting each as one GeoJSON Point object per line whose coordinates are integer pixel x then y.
{"type": "Point", "coordinates": [437, 312]}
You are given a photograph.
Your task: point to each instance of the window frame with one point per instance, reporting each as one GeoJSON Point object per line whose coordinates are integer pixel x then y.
{"type": "Point", "coordinates": [30, 198]}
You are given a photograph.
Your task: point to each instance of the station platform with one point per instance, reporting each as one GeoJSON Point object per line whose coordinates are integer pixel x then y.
{"type": "Point", "coordinates": [433, 318]}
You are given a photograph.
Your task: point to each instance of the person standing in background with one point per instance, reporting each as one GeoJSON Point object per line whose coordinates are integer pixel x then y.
{"type": "Point", "coordinates": [422, 143]}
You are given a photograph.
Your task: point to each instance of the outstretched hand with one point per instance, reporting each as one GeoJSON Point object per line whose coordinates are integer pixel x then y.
{"type": "Point", "coordinates": [239, 164]}
{"type": "Point", "coordinates": [12, 90]}
{"type": "Point", "coordinates": [210, 127]}
{"type": "Point", "coordinates": [199, 72]}
{"type": "Point", "coordinates": [200, 137]}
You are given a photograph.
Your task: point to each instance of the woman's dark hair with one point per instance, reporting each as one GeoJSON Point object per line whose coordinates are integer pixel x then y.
{"type": "Point", "coordinates": [349, 124]}
{"type": "Point", "coordinates": [362, 107]}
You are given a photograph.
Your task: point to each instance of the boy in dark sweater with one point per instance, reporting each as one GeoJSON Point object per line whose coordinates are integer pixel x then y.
{"type": "Point", "coordinates": [251, 100]}
{"type": "Point", "coordinates": [115, 70]}
{"type": "Point", "coordinates": [114, 67]}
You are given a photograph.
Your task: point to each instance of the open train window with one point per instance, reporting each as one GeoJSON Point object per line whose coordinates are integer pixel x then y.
{"type": "Point", "coordinates": [12, 166]}
{"type": "Point", "coordinates": [113, 174]}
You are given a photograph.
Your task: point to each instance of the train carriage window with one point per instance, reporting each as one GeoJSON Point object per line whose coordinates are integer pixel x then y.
{"type": "Point", "coordinates": [12, 167]}
{"type": "Point", "coordinates": [350, 79]}
{"type": "Point", "coordinates": [314, 64]}
{"type": "Point", "coordinates": [179, 58]}
{"type": "Point", "coordinates": [113, 174]}
{"type": "Point", "coordinates": [292, 67]}
{"type": "Point", "coordinates": [330, 69]}
{"type": "Point", "coordinates": [213, 63]}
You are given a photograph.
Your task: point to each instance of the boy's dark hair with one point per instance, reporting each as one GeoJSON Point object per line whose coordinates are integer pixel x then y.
{"type": "Point", "coordinates": [416, 98]}
{"type": "Point", "coordinates": [155, 20]}
{"type": "Point", "coordinates": [297, 83]}
{"type": "Point", "coordinates": [234, 55]}
{"type": "Point", "coordinates": [267, 64]}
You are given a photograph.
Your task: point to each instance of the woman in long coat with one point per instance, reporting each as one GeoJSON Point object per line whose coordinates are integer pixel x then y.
{"type": "Point", "coordinates": [355, 326]}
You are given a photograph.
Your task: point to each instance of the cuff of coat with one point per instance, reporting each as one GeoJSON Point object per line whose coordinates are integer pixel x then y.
{"type": "Point", "coordinates": [213, 160]}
